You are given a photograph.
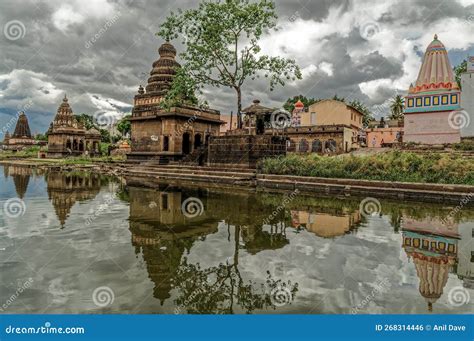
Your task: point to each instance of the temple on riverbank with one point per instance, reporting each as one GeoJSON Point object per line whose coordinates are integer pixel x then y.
{"type": "Point", "coordinates": [68, 137]}
{"type": "Point", "coordinates": [168, 134]}
{"type": "Point", "coordinates": [432, 100]}
{"type": "Point", "coordinates": [21, 137]}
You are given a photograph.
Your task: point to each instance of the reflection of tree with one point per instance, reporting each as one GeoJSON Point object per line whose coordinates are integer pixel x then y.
{"type": "Point", "coordinates": [221, 289]}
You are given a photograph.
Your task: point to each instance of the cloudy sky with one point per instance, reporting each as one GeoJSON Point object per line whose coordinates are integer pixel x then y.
{"type": "Point", "coordinates": [364, 49]}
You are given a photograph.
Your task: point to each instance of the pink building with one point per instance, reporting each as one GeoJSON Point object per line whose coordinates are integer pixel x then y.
{"type": "Point", "coordinates": [431, 104]}
{"type": "Point", "coordinates": [387, 133]}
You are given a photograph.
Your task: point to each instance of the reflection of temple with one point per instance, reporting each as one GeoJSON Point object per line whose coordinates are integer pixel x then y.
{"type": "Point", "coordinates": [326, 225]}
{"type": "Point", "coordinates": [164, 235]}
{"type": "Point", "coordinates": [466, 256]}
{"type": "Point", "coordinates": [21, 178]}
{"type": "Point", "coordinates": [158, 231]}
{"type": "Point", "coordinates": [433, 251]}
{"type": "Point", "coordinates": [65, 189]}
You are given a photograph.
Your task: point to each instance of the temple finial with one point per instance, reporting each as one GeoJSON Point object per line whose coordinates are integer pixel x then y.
{"type": "Point", "coordinates": [435, 37]}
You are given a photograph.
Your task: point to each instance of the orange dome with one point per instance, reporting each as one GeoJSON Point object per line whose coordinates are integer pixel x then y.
{"type": "Point", "coordinates": [299, 104]}
{"type": "Point", "coordinates": [436, 72]}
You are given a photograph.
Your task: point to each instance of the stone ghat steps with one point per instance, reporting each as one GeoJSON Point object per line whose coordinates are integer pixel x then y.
{"type": "Point", "coordinates": [383, 185]}
{"type": "Point", "coordinates": [197, 170]}
{"type": "Point", "coordinates": [193, 174]}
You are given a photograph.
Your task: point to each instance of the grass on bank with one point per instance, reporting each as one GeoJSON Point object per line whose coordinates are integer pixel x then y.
{"type": "Point", "coordinates": [391, 166]}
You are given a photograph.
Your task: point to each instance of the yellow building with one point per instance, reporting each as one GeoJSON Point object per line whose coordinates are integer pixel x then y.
{"type": "Point", "coordinates": [331, 112]}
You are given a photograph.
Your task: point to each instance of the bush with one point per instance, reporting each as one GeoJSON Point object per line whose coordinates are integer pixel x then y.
{"type": "Point", "coordinates": [391, 166]}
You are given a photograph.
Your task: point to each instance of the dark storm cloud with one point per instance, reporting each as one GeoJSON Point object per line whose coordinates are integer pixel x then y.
{"type": "Point", "coordinates": [98, 52]}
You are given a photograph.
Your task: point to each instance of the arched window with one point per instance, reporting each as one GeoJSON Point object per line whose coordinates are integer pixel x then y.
{"type": "Point", "coordinates": [303, 146]}
{"type": "Point", "coordinates": [316, 147]}
{"type": "Point", "coordinates": [331, 146]}
{"type": "Point", "coordinates": [290, 146]}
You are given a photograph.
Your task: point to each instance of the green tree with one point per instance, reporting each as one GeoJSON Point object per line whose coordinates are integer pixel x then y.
{"type": "Point", "coordinates": [337, 98]}
{"type": "Point", "coordinates": [396, 107]}
{"type": "Point", "coordinates": [87, 120]}
{"type": "Point", "coordinates": [458, 70]}
{"type": "Point", "coordinates": [41, 137]}
{"type": "Point", "coordinates": [104, 135]}
{"type": "Point", "coordinates": [222, 44]}
{"type": "Point", "coordinates": [182, 90]}
{"type": "Point", "coordinates": [124, 126]}
{"type": "Point", "coordinates": [290, 102]}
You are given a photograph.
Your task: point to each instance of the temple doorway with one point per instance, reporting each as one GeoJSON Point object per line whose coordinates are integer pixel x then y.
{"type": "Point", "coordinates": [197, 141]}
{"type": "Point", "coordinates": [186, 143]}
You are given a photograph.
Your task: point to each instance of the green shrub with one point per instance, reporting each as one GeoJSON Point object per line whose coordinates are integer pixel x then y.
{"type": "Point", "coordinates": [391, 166]}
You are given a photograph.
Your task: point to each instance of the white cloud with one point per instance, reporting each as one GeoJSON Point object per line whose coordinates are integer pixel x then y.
{"type": "Point", "coordinates": [76, 12]}
{"type": "Point", "coordinates": [327, 68]}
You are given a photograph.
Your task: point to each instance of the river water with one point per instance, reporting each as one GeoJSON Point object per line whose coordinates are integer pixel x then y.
{"type": "Point", "coordinates": [75, 242]}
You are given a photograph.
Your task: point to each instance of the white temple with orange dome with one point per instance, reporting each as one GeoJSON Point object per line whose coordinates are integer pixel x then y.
{"type": "Point", "coordinates": [430, 103]}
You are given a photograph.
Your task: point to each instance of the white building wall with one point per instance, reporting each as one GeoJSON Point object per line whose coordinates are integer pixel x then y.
{"type": "Point", "coordinates": [467, 98]}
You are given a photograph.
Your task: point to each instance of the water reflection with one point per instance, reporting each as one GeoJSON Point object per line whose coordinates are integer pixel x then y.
{"type": "Point", "coordinates": [65, 189]}
{"type": "Point", "coordinates": [225, 258]}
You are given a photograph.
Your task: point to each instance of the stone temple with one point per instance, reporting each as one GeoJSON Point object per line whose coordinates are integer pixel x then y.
{"type": "Point", "coordinates": [432, 101]}
{"type": "Point", "coordinates": [68, 137]}
{"type": "Point", "coordinates": [21, 137]}
{"type": "Point", "coordinates": [170, 134]}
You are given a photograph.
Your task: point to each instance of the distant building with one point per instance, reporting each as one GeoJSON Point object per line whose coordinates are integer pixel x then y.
{"type": "Point", "coordinates": [467, 99]}
{"type": "Point", "coordinates": [68, 137]}
{"type": "Point", "coordinates": [384, 133]}
{"type": "Point", "coordinates": [230, 123]}
{"type": "Point", "coordinates": [432, 100]}
{"type": "Point", "coordinates": [21, 137]}
{"type": "Point", "coordinates": [328, 126]}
